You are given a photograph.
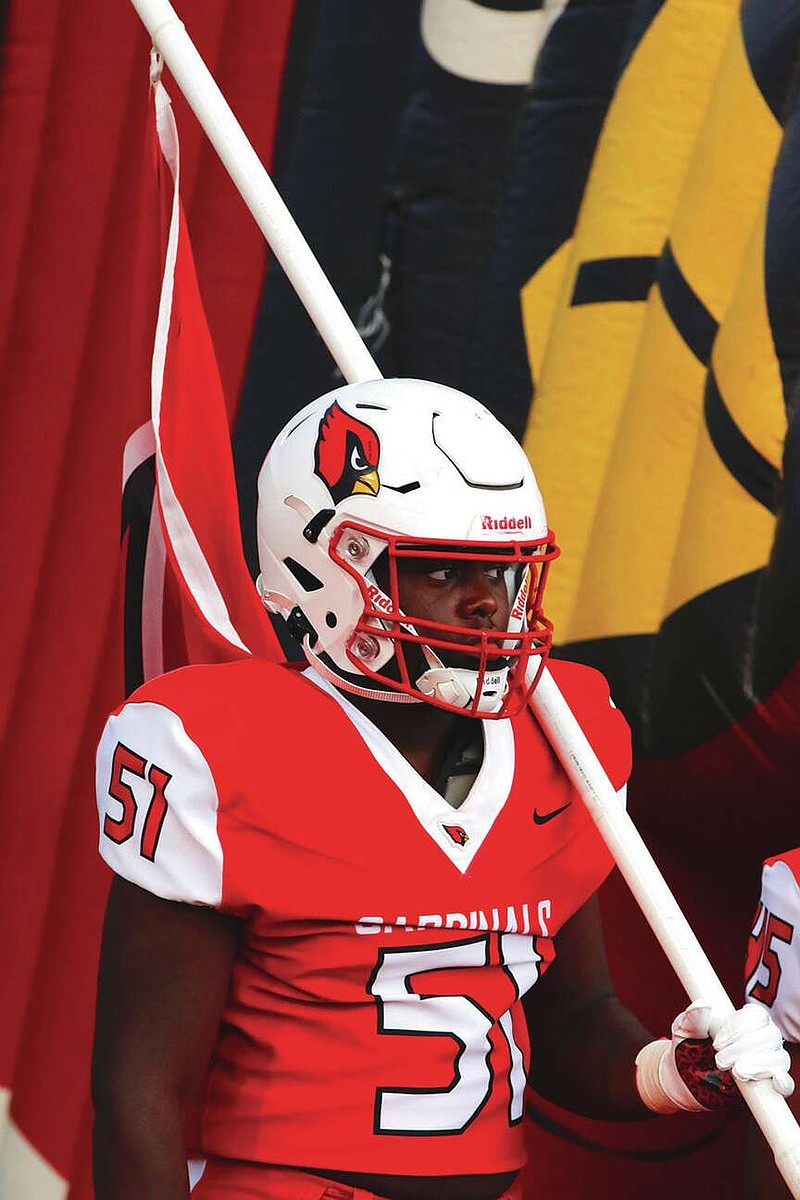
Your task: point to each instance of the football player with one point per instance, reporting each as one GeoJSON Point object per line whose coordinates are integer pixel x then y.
{"type": "Point", "coordinates": [354, 907]}
{"type": "Point", "coordinates": [772, 979]}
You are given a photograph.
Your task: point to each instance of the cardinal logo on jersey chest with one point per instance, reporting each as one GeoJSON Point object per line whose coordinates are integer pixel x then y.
{"type": "Point", "coordinates": [456, 834]}
{"type": "Point", "coordinates": [346, 455]}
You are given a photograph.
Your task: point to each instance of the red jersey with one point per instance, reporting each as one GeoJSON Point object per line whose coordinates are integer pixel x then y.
{"type": "Point", "coordinates": [373, 1022]}
{"type": "Point", "coordinates": [772, 970]}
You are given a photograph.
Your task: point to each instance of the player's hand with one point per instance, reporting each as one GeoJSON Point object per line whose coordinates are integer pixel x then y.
{"type": "Point", "coordinates": [750, 1046]}
{"type": "Point", "coordinates": [695, 1073]}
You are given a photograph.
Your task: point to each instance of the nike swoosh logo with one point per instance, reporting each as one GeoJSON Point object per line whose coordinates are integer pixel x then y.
{"type": "Point", "coordinates": [543, 818]}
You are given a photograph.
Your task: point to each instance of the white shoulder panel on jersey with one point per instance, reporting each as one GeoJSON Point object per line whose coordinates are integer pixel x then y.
{"type": "Point", "coordinates": [778, 970]}
{"type": "Point", "coordinates": [158, 802]}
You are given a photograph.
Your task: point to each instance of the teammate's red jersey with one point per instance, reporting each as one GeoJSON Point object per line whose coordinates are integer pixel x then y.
{"type": "Point", "coordinates": [772, 970]}
{"type": "Point", "coordinates": [373, 1022]}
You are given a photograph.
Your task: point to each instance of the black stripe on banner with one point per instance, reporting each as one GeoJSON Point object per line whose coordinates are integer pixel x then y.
{"type": "Point", "coordinates": [137, 503]}
{"type": "Point", "coordinates": [604, 280]}
{"type": "Point", "coordinates": [687, 312]}
{"type": "Point", "coordinates": [747, 465]}
{"type": "Point", "coordinates": [771, 38]}
{"type": "Point", "coordinates": [511, 6]}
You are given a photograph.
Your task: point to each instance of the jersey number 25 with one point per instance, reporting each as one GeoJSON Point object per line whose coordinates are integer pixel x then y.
{"type": "Point", "coordinates": [763, 963]}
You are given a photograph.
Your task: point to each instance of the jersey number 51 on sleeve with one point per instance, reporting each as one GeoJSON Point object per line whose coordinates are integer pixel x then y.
{"type": "Point", "coordinates": [120, 829]}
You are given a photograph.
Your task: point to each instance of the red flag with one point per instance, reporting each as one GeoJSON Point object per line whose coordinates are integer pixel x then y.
{"type": "Point", "coordinates": [196, 540]}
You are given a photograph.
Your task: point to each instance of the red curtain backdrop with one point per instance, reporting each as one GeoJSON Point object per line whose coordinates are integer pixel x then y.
{"type": "Point", "coordinates": [77, 309]}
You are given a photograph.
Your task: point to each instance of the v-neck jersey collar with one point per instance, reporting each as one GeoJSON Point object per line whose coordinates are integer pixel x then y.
{"type": "Point", "coordinates": [458, 832]}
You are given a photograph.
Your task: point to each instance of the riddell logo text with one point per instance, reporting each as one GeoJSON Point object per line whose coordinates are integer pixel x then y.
{"type": "Point", "coordinates": [518, 611]}
{"type": "Point", "coordinates": [379, 600]}
{"type": "Point", "coordinates": [506, 523]}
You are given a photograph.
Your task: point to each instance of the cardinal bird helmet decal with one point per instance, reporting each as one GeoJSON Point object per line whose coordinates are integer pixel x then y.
{"type": "Point", "coordinates": [335, 538]}
{"type": "Point", "coordinates": [346, 455]}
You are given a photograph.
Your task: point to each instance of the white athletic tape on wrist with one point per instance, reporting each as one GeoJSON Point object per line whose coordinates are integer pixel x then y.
{"type": "Point", "coordinates": [657, 1080]}
{"type": "Point", "coordinates": [648, 1083]}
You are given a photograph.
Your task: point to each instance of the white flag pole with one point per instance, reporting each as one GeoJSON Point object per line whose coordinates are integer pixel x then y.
{"type": "Point", "coordinates": [257, 190]}
{"type": "Point", "coordinates": [660, 908]}
{"type": "Point", "coordinates": [357, 365]}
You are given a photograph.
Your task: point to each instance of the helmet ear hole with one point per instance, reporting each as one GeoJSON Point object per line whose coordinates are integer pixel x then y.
{"type": "Point", "coordinates": [300, 627]}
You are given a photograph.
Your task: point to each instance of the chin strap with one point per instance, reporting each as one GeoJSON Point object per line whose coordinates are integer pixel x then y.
{"type": "Point", "coordinates": [345, 685]}
{"type": "Point", "coordinates": [452, 685]}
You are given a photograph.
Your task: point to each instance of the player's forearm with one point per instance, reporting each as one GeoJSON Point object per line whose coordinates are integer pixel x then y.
{"type": "Point", "coordinates": [139, 1150]}
{"type": "Point", "coordinates": [589, 1067]}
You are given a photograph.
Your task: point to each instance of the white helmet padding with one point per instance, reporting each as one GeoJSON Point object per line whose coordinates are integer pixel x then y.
{"type": "Point", "coordinates": [376, 472]}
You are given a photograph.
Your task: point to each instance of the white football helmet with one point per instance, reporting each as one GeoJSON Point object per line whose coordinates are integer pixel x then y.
{"type": "Point", "coordinates": [378, 472]}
